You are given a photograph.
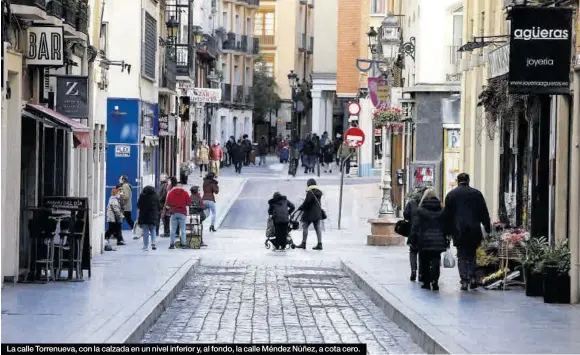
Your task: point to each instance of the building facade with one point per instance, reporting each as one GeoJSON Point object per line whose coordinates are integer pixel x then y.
{"type": "Point", "coordinates": [235, 68]}
{"type": "Point", "coordinates": [285, 29]}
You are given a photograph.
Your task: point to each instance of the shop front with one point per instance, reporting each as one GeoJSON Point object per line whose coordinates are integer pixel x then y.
{"type": "Point", "coordinates": [167, 144]}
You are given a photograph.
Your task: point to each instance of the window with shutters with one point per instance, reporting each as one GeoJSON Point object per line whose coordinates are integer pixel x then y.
{"type": "Point", "coordinates": [149, 47]}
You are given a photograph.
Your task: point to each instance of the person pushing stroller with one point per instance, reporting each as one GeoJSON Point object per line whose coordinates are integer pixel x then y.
{"type": "Point", "coordinates": [280, 209]}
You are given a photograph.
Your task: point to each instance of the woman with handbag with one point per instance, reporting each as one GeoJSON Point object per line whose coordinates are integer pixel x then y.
{"type": "Point", "coordinates": [429, 228]}
{"type": "Point", "coordinates": [408, 214]}
{"type": "Point", "coordinates": [312, 213]}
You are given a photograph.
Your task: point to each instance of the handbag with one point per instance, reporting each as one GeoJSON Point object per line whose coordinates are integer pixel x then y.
{"type": "Point", "coordinates": [403, 228]}
{"type": "Point", "coordinates": [448, 259]}
{"type": "Point", "coordinates": [322, 211]}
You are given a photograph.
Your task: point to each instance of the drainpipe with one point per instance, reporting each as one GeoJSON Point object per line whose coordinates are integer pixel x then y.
{"type": "Point", "coordinates": [574, 190]}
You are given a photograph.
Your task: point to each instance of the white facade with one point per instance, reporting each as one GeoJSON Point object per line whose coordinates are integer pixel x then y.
{"type": "Point", "coordinates": [231, 122]}
{"type": "Point", "coordinates": [206, 16]}
{"type": "Point", "coordinates": [436, 47]}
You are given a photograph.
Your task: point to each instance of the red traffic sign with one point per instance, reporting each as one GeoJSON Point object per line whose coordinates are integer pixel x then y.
{"type": "Point", "coordinates": [353, 108]}
{"type": "Point", "coordinates": [354, 137]}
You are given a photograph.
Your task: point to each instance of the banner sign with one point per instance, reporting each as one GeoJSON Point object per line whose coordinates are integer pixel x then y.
{"type": "Point", "coordinates": [202, 95]}
{"type": "Point", "coordinates": [540, 50]}
{"type": "Point", "coordinates": [72, 94]}
{"type": "Point", "coordinates": [163, 125]}
{"type": "Point", "coordinates": [378, 91]}
{"type": "Point", "coordinates": [45, 46]}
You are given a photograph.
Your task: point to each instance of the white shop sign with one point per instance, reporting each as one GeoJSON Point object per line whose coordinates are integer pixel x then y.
{"type": "Point", "coordinates": [122, 151]}
{"type": "Point", "coordinates": [45, 46]}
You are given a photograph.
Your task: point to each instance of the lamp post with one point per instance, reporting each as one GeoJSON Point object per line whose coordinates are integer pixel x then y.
{"type": "Point", "coordinates": [293, 81]}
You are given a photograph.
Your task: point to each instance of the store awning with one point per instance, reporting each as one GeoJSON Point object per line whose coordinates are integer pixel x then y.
{"type": "Point", "coordinates": [81, 132]}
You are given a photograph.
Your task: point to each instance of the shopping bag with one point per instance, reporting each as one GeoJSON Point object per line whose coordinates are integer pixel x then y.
{"type": "Point", "coordinates": [448, 259]}
{"type": "Point", "coordinates": [137, 231]}
{"type": "Point", "coordinates": [270, 232]}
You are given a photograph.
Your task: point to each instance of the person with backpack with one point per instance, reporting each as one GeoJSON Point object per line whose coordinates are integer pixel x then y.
{"type": "Point", "coordinates": [280, 209]}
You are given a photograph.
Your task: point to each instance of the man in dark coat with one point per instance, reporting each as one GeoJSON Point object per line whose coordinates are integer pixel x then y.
{"type": "Point", "coordinates": [229, 146]}
{"type": "Point", "coordinates": [247, 149]}
{"type": "Point", "coordinates": [148, 205]}
{"type": "Point", "coordinates": [466, 211]}
{"type": "Point", "coordinates": [238, 156]}
{"type": "Point", "coordinates": [409, 214]}
{"type": "Point", "coordinates": [308, 152]}
{"type": "Point", "coordinates": [312, 213]}
{"type": "Point", "coordinates": [280, 209]}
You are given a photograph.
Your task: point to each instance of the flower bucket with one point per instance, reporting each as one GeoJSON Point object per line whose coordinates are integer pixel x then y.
{"type": "Point", "coordinates": [534, 283]}
{"type": "Point", "coordinates": [556, 286]}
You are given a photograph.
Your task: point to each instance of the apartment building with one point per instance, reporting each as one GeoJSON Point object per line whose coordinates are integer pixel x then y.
{"type": "Point", "coordinates": [285, 29]}
{"type": "Point", "coordinates": [235, 68]}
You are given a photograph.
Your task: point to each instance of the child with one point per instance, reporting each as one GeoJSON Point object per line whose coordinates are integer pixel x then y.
{"type": "Point", "coordinates": [114, 217]}
{"type": "Point", "coordinates": [197, 207]}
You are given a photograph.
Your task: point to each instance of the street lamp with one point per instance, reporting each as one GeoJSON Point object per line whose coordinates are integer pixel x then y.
{"type": "Point", "coordinates": [172, 27]}
{"type": "Point", "coordinates": [372, 35]}
{"type": "Point", "coordinates": [293, 82]}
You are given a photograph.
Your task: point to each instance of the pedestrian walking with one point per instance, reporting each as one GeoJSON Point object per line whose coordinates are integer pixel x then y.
{"type": "Point", "coordinates": [312, 213]}
{"type": "Point", "coordinates": [163, 189]}
{"type": "Point", "coordinates": [308, 152]}
{"type": "Point", "coordinates": [126, 195]}
{"type": "Point", "coordinates": [294, 158]}
{"type": "Point", "coordinates": [344, 154]}
{"type": "Point", "coordinates": [148, 217]}
{"type": "Point", "coordinates": [429, 229]}
{"type": "Point", "coordinates": [336, 145]}
{"type": "Point", "coordinates": [114, 218]}
{"type": "Point", "coordinates": [202, 156]}
{"type": "Point", "coordinates": [184, 172]}
{"type": "Point", "coordinates": [238, 156]}
{"type": "Point", "coordinates": [328, 155]}
{"type": "Point", "coordinates": [262, 150]}
{"type": "Point", "coordinates": [466, 212]}
{"type": "Point", "coordinates": [229, 146]}
{"type": "Point", "coordinates": [280, 209]}
{"type": "Point", "coordinates": [216, 155]}
{"type": "Point", "coordinates": [410, 214]}
{"type": "Point", "coordinates": [247, 149]}
{"type": "Point", "coordinates": [177, 202]}
{"type": "Point", "coordinates": [210, 189]}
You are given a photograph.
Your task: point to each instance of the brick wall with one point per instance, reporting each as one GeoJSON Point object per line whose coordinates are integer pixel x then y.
{"type": "Point", "coordinates": [349, 43]}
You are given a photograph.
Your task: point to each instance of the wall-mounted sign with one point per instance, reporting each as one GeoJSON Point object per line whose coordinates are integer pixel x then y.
{"type": "Point", "coordinates": [163, 125]}
{"type": "Point", "coordinates": [499, 61]}
{"type": "Point", "coordinates": [122, 151]}
{"type": "Point", "coordinates": [45, 46]}
{"type": "Point", "coordinates": [353, 108]}
{"type": "Point", "coordinates": [379, 91]}
{"type": "Point", "coordinates": [213, 96]}
{"type": "Point", "coordinates": [72, 94]}
{"type": "Point", "coordinates": [540, 50]}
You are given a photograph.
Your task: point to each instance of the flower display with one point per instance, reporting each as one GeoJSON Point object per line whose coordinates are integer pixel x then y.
{"type": "Point", "coordinates": [388, 116]}
{"type": "Point", "coordinates": [515, 237]}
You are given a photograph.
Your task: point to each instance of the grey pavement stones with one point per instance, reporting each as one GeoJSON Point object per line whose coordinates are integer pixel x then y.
{"type": "Point", "coordinates": [245, 302]}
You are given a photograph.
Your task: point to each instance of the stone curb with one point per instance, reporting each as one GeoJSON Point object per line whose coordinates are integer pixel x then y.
{"type": "Point", "coordinates": [138, 324]}
{"type": "Point", "coordinates": [224, 212]}
{"type": "Point", "coordinates": [426, 335]}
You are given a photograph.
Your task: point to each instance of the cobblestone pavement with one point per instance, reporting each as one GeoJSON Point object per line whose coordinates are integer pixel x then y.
{"type": "Point", "coordinates": [244, 303]}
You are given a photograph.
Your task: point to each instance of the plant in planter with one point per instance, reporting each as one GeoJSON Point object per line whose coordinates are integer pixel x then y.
{"type": "Point", "coordinates": [556, 267]}
{"type": "Point", "coordinates": [531, 262]}
{"type": "Point", "coordinates": [486, 262]}
{"type": "Point", "coordinates": [389, 117]}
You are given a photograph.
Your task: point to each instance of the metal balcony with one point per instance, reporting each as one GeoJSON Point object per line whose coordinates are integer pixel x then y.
{"type": "Point", "coordinates": [226, 93]}
{"type": "Point", "coordinates": [256, 46]}
{"type": "Point", "coordinates": [169, 72]}
{"type": "Point", "coordinates": [243, 44]}
{"type": "Point", "coordinates": [183, 59]}
{"type": "Point", "coordinates": [238, 94]}
{"type": "Point", "coordinates": [253, 3]}
{"type": "Point", "coordinates": [82, 18]}
{"type": "Point", "coordinates": [54, 8]}
{"type": "Point", "coordinates": [70, 10]}
{"type": "Point", "coordinates": [230, 43]}
{"type": "Point", "coordinates": [249, 96]}
{"type": "Point", "coordinates": [267, 41]}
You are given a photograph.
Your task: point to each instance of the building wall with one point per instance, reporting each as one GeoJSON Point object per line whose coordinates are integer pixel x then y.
{"type": "Point", "coordinates": [286, 44]}
{"type": "Point", "coordinates": [325, 36]}
{"type": "Point", "coordinates": [353, 23]}
{"type": "Point", "coordinates": [125, 21]}
{"type": "Point", "coordinates": [11, 133]}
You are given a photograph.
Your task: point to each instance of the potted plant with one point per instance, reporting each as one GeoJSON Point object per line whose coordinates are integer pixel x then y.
{"type": "Point", "coordinates": [531, 262]}
{"type": "Point", "coordinates": [486, 262]}
{"type": "Point", "coordinates": [389, 117]}
{"type": "Point", "coordinates": [556, 268]}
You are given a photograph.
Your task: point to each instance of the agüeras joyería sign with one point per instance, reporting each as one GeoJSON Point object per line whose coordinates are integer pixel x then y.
{"type": "Point", "coordinates": [540, 50]}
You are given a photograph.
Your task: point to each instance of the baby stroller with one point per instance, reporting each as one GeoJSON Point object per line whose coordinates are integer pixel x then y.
{"type": "Point", "coordinates": [284, 154]}
{"type": "Point", "coordinates": [293, 224]}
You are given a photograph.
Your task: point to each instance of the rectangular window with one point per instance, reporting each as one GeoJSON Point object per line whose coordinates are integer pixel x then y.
{"type": "Point", "coordinates": [225, 74]}
{"type": "Point", "coordinates": [225, 23]}
{"type": "Point", "coordinates": [378, 7]}
{"type": "Point", "coordinates": [149, 47]}
{"type": "Point", "coordinates": [259, 24]}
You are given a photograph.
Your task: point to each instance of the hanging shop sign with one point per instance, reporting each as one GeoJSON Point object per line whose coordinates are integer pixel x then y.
{"type": "Point", "coordinates": [540, 50]}
{"type": "Point", "coordinates": [499, 61]}
{"type": "Point", "coordinates": [379, 91]}
{"type": "Point", "coordinates": [202, 95]}
{"type": "Point", "coordinates": [163, 125]}
{"type": "Point", "coordinates": [45, 46]}
{"type": "Point", "coordinates": [72, 93]}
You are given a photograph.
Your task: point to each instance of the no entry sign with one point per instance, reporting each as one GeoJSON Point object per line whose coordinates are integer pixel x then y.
{"type": "Point", "coordinates": [354, 137]}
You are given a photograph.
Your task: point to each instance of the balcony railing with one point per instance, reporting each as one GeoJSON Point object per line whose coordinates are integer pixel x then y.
{"type": "Point", "coordinates": [454, 73]}
{"type": "Point", "coordinates": [248, 95]}
{"type": "Point", "coordinates": [255, 3]}
{"type": "Point", "coordinates": [183, 59]}
{"type": "Point", "coordinates": [230, 43]}
{"type": "Point", "coordinates": [54, 8]}
{"type": "Point", "coordinates": [227, 93]}
{"type": "Point", "coordinates": [70, 9]}
{"type": "Point", "coordinates": [82, 18]}
{"type": "Point", "coordinates": [238, 94]}
{"type": "Point", "coordinates": [38, 3]}
{"type": "Point", "coordinates": [256, 46]}
{"type": "Point", "coordinates": [210, 44]}
{"type": "Point", "coordinates": [301, 42]}
{"type": "Point", "coordinates": [310, 44]}
{"type": "Point", "coordinates": [268, 40]}
{"type": "Point", "coordinates": [169, 73]}
{"type": "Point", "coordinates": [243, 44]}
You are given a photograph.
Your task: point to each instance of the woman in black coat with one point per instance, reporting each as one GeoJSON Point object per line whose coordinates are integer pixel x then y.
{"type": "Point", "coordinates": [280, 209]}
{"type": "Point", "coordinates": [148, 205]}
{"type": "Point", "coordinates": [312, 213]}
{"type": "Point", "coordinates": [429, 228]}
{"type": "Point", "coordinates": [409, 213]}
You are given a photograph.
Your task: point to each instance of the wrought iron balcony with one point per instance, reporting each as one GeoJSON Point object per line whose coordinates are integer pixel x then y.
{"type": "Point", "coordinates": [82, 18]}
{"type": "Point", "coordinates": [210, 45]}
{"type": "Point", "coordinates": [226, 93]}
{"type": "Point", "coordinates": [243, 44]}
{"type": "Point", "coordinates": [169, 72]}
{"type": "Point", "coordinates": [253, 3]}
{"type": "Point", "coordinates": [238, 94]}
{"type": "Point", "coordinates": [256, 46]}
{"type": "Point", "coordinates": [230, 42]}
{"type": "Point", "coordinates": [54, 8]}
{"type": "Point", "coordinates": [248, 95]}
{"type": "Point", "coordinates": [70, 9]}
{"type": "Point", "coordinates": [183, 59]}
